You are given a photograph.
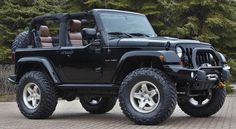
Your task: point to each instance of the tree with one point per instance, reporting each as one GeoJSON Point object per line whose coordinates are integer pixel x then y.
{"type": "Point", "coordinates": [16, 15]}
{"type": "Point", "coordinates": [211, 21]}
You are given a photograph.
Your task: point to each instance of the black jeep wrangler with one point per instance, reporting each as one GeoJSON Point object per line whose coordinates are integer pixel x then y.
{"type": "Point", "coordinates": [104, 54]}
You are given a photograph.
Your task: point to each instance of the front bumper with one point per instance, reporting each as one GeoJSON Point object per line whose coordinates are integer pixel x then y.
{"type": "Point", "coordinates": [201, 78]}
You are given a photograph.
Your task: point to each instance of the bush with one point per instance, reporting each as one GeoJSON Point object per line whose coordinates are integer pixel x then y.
{"type": "Point", "coordinates": [4, 54]}
{"type": "Point", "coordinates": [232, 64]}
{"type": "Point", "coordinates": [5, 86]}
{"type": "Point", "coordinates": [229, 88]}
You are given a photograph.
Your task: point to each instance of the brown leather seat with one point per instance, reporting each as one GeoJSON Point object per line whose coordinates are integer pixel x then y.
{"type": "Point", "coordinates": [45, 38]}
{"type": "Point", "coordinates": [75, 35]}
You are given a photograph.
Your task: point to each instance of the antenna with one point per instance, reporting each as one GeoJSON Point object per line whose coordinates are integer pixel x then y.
{"type": "Point", "coordinates": [107, 40]}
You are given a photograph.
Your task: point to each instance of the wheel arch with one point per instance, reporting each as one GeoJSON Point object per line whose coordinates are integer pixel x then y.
{"type": "Point", "coordinates": [137, 59]}
{"type": "Point", "coordinates": [27, 64]}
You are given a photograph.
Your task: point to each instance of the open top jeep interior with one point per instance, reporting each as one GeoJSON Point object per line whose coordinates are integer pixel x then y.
{"type": "Point", "coordinates": [46, 30]}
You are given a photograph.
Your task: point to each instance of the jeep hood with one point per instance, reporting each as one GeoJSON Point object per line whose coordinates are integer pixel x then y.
{"type": "Point", "coordinates": [157, 42]}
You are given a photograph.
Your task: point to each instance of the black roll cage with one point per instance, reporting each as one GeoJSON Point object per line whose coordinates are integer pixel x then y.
{"type": "Point", "coordinates": [62, 18]}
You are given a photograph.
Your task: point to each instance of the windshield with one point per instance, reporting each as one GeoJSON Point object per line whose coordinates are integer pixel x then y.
{"type": "Point", "coordinates": [126, 24]}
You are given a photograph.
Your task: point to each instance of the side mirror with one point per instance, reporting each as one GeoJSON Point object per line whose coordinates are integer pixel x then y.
{"type": "Point", "coordinates": [89, 33]}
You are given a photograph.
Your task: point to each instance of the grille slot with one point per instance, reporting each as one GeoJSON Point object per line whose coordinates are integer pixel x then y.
{"type": "Point", "coordinates": [188, 53]}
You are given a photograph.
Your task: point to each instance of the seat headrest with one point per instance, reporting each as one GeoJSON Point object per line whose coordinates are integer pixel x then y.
{"type": "Point", "coordinates": [75, 26]}
{"type": "Point", "coordinates": [44, 31]}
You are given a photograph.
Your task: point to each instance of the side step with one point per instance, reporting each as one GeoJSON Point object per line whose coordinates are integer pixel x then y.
{"type": "Point", "coordinates": [91, 89]}
{"type": "Point", "coordinates": [87, 86]}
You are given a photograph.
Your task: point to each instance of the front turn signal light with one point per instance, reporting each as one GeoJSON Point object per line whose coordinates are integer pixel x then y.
{"type": "Point", "coordinates": [162, 58]}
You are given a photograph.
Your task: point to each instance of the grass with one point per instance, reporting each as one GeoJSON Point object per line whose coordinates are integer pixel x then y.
{"type": "Point", "coordinates": [7, 90]}
{"type": "Point", "coordinates": [5, 71]}
{"type": "Point", "coordinates": [8, 98]}
{"type": "Point", "coordinates": [229, 88]}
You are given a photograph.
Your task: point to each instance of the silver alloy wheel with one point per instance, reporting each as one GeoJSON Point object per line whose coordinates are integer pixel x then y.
{"type": "Point", "coordinates": [31, 95]}
{"type": "Point", "coordinates": [202, 103]}
{"type": "Point", "coordinates": [94, 101]}
{"type": "Point", "coordinates": [145, 97]}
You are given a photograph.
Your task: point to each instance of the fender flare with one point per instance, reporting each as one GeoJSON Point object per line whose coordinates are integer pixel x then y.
{"type": "Point", "coordinates": [40, 60]}
{"type": "Point", "coordinates": [169, 56]}
{"type": "Point", "coordinates": [221, 58]}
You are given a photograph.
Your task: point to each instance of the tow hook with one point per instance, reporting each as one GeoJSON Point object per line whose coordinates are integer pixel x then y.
{"type": "Point", "coordinates": [221, 85]}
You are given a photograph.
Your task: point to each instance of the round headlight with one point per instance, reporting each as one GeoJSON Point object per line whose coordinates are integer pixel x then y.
{"type": "Point", "coordinates": [179, 51]}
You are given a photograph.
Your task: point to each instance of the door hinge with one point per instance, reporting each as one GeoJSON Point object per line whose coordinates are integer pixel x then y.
{"type": "Point", "coordinates": [98, 50]}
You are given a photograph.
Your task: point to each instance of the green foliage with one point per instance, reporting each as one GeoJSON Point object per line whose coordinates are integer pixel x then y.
{"type": "Point", "coordinates": [229, 88]}
{"type": "Point", "coordinates": [205, 20]}
{"type": "Point", "coordinates": [4, 54]}
{"type": "Point", "coordinates": [232, 64]}
{"type": "Point", "coordinates": [16, 16]}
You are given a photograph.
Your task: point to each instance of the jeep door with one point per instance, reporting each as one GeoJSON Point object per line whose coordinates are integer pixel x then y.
{"type": "Point", "coordinates": [80, 59]}
{"type": "Point", "coordinates": [80, 64]}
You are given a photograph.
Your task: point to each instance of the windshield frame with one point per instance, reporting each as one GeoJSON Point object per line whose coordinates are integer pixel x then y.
{"type": "Point", "coordinates": [103, 28]}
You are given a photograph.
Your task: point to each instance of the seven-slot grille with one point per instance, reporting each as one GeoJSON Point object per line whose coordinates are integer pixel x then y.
{"type": "Point", "coordinates": [203, 57]}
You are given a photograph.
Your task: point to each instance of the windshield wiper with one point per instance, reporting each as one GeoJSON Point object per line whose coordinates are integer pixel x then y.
{"type": "Point", "coordinates": [120, 34]}
{"type": "Point", "coordinates": [139, 34]}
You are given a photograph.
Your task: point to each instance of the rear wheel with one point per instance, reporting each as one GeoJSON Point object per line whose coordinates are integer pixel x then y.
{"type": "Point", "coordinates": [36, 96]}
{"type": "Point", "coordinates": [204, 106]}
{"type": "Point", "coordinates": [147, 96]}
{"type": "Point", "coordinates": [98, 105]}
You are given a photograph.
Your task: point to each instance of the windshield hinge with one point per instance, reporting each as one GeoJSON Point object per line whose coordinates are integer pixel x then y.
{"type": "Point", "coordinates": [167, 45]}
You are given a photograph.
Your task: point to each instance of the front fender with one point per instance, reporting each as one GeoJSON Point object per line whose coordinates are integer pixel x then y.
{"type": "Point", "coordinates": [170, 57]}
{"type": "Point", "coordinates": [40, 60]}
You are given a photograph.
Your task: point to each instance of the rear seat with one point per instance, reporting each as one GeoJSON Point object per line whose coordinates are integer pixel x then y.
{"type": "Point", "coordinates": [45, 38]}
{"type": "Point", "coordinates": [74, 34]}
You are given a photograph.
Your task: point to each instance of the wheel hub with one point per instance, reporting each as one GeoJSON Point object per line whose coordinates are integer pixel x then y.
{"type": "Point", "coordinates": [31, 95]}
{"type": "Point", "coordinates": [145, 97]}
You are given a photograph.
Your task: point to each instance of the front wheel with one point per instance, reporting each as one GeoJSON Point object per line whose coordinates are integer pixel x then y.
{"type": "Point", "coordinates": [97, 105]}
{"type": "Point", "coordinates": [147, 96]}
{"type": "Point", "coordinates": [204, 106]}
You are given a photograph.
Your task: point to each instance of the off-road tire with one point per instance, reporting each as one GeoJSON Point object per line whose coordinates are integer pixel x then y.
{"type": "Point", "coordinates": [48, 95]}
{"type": "Point", "coordinates": [21, 41]}
{"type": "Point", "coordinates": [105, 105]}
{"type": "Point", "coordinates": [213, 106]}
{"type": "Point", "coordinates": [167, 90]}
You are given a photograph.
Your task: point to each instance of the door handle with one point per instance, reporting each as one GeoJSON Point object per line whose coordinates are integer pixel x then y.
{"type": "Point", "coordinates": [98, 69]}
{"type": "Point", "coordinates": [67, 52]}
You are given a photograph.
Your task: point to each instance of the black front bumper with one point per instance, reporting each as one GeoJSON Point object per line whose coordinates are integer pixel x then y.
{"type": "Point", "coordinates": [200, 78]}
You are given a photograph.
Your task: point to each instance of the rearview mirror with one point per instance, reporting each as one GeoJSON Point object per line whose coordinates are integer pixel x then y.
{"type": "Point", "coordinates": [89, 33]}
